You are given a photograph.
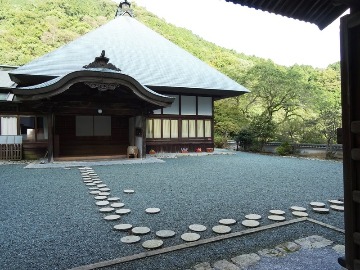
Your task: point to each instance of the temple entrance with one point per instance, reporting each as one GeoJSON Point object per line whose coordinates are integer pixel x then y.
{"type": "Point", "coordinates": [90, 135]}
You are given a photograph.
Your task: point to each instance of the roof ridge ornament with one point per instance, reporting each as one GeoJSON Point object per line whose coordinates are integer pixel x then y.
{"type": "Point", "coordinates": [101, 62]}
{"type": "Point", "coordinates": [124, 9]}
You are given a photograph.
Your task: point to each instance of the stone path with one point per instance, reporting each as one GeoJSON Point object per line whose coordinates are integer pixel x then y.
{"type": "Point", "coordinates": [103, 197]}
{"type": "Point", "coordinates": [309, 253]}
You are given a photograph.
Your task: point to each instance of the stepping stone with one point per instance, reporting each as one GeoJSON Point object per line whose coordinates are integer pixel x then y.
{"type": "Point", "coordinates": [152, 244]}
{"type": "Point", "coordinates": [140, 230]}
{"type": "Point", "coordinates": [93, 188]}
{"type": "Point", "coordinates": [276, 218]}
{"type": "Point", "coordinates": [152, 210]}
{"type": "Point", "coordinates": [246, 260]}
{"type": "Point", "coordinates": [314, 241]}
{"type": "Point", "coordinates": [123, 227]}
{"type": "Point", "coordinates": [88, 181]}
{"type": "Point", "coordinates": [298, 208]}
{"type": "Point", "coordinates": [299, 214]}
{"type": "Point", "coordinates": [337, 207]}
{"type": "Point", "coordinates": [339, 249]}
{"type": "Point", "coordinates": [130, 239]}
{"type": "Point", "coordinates": [117, 205]}
{"type": "Point", "coordinates": [321, 210]}
{"type": "Point", "coordinates": [99, 182]}
{"type": "Point", "coordinates": [336, 202]}
{"type": "Point", "coordinates": [113, 199]}
{"type": "Point", "coordinates": [123, 211]}
{"type": "Point", "coordinates": [165, 233]}
{"type": "Point", "coordinates": [288, 247]}
{"type": "Point", "coordinates": [227, 221]}
{"type": "Point", "coordinates": [112, 217]}
{"type": "Point", "coordinates": [225, 265]}
{"type": "Point", "coordinates": [277, 212]}
{"type": "Point", "coordinates": [104, 189]}
{"type": "Point", "coordinates": [94, 192]}
{"type": "Point", "coordinates": [101, 185]}
{"type": "Point", "coordinates": [250, 223]}
{"type": "Point", "coordinates": [104, 193]}
{"type": "Point", "coordinates": [221, 229]}
{"type": "Point", "coordinates": [102, 203]}
{"type": "Point", "coordinates": [197, 227]}
{"type": "Point", "coordinates": [129, 191]}
{"type": "Point", "coordinates": [100, 197]}
{"type": "Point", "coordinates": [317, 204]}
{"type": "Point", "coordinates": [202, 266]}
{"type": "Point", "coordinates": [253, 216]}
{"type": "Point", "coordinates": [106, 209]}
{"type": "Point", "coordinates": [190, 237]}
{"type": "Point", "coordinates": [271, 253]}
{"type": "Point", "coordinates": [90, 184]}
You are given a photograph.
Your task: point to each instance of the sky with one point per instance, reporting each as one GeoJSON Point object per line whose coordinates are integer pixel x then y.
{"type": "Point", "coordinates": [285, 41]}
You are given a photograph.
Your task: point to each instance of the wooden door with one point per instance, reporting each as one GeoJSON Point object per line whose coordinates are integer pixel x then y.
{"type": "Point", "coordinates": [350, 88]}
{"type": "Point", "coordinates": [72, 143]}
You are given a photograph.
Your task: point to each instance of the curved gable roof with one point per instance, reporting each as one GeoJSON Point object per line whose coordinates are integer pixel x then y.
{"type": "Point", "coordinates": [139, 52]}
{"type": "Point", "coordinates": [97, 77]}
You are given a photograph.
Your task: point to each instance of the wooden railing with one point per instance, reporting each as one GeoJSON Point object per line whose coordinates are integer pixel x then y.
{"type": "Point", "coordinates": [10, 147]}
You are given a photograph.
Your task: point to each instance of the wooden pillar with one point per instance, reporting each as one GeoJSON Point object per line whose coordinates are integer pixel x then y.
{"type": "Point", "coordinates": [50, 120]}
{"type": "Point", "coordinates": [143, 125]}
{"type": "Point", "coordinates": [350, 98]}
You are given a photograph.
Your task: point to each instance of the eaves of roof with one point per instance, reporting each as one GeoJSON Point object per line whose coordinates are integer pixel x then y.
{"type": "Point", "coordinates": [320, 12]}
{"type": "Point", "coordinates": [97, 77]}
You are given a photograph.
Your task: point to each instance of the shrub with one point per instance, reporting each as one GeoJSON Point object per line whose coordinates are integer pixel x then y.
{"type": "Point", "coordinates": [220, 141]}
{"type": "Point", "coordinates": [285, 149]}
{"type": "Point", "coordinates": [245, 138]}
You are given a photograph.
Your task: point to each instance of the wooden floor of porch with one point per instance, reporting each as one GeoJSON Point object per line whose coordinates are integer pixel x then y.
{"type": "Point", "coordinates": [87, 158]}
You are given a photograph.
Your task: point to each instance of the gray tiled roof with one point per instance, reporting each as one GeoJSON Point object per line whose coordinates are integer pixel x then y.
{"type": "Point", "coordinates": [140, 53]}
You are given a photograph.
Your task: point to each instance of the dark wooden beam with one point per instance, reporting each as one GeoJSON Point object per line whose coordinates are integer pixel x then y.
{"type": "Point", "coordinates": [50, 120]}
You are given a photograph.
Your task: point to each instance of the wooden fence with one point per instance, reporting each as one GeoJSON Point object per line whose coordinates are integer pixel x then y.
{"type": "Point", "coordinates": [10, 147]}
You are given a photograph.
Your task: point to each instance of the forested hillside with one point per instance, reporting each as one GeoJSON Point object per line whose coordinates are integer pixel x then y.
{"type": "Point", "coordinates": [295, 104]}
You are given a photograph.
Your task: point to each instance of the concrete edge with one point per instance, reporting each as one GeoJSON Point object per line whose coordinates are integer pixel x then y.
{"type": "Point", "coordinates": [186, 245]}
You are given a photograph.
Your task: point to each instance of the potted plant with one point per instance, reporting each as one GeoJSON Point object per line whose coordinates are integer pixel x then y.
{"type": "Point", "coordinates": [198, 150]}
{"type": "Point", "coordinates": [152, 152]}
{"type": "Point", "coordinates": [184, 150]}
{"type": "Point", "coordinates": [209, 149]}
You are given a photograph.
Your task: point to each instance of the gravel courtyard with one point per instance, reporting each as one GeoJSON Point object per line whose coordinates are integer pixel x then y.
{"type": "Point", "coordinates": [50, 221]}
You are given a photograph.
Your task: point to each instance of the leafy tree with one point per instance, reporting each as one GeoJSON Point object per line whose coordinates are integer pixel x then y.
{"type": "Point", "coordinates": [263, 128]}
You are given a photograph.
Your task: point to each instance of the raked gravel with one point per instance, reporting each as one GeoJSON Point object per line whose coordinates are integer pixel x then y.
{"type": "Point", "coordinates": [52, 222]}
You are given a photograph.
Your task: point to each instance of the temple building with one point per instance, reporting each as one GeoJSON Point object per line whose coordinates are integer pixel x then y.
{"type": "Point", "coordinates": [121, 85]}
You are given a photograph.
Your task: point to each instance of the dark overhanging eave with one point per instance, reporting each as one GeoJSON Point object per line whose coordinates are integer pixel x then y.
{"type": "Point", "coordinates": [27, 79]}
{"type": "Point", "coordinates": [62, 84]}
{"type": "Point", "coordinates": [215, 93]}
{"type": "Point", "coordinates": [319, 12]}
